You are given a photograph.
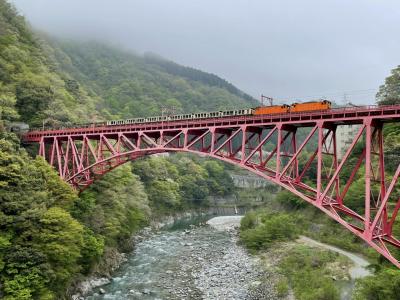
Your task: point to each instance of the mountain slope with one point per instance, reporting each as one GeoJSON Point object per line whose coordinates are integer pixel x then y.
{"type": "Point", "coordinates": [45, 80]}
{"type": "Point", "coordinates": [133, 85]}
{"type": "Point", "coordinates": [29, 84]}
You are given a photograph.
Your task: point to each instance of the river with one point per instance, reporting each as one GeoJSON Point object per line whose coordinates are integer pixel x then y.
{"type": "Point", "coordinates": [190, 261]}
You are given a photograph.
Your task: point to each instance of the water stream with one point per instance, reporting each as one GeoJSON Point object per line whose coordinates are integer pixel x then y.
{"type": "Point", "coordinates": [189, 261]}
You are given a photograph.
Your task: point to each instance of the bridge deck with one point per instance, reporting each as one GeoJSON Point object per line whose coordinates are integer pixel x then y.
{"type": "Point", "coordinates": [341, 116]}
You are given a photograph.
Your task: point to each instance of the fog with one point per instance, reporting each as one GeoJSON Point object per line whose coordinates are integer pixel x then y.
{"type": "Point", "coordinates": [287, 49]}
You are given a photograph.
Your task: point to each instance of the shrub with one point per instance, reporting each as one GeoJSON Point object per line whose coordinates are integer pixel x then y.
{"type": "Point", "coordinates": [249, 221]}
{"type": "Point", "coordinates": [385, 285]}
{"type": "Point", "coordinates": [282, 287]}
{"type": "Point", "coordinates": [304, 267]}
{"type": "Point", "coordinates": [290, 200]}
{"type": "Point", "coordinates": [276, 227]}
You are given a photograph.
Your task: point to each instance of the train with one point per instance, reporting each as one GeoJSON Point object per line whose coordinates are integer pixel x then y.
{"type": "Point", "coordinates": [261, 110]}
{"type": "Point", "coordinates": [21, 128]}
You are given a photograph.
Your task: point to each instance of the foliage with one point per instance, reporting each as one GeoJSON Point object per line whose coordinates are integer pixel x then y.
{"type": "Point", "coordinates": [39, 242]}
{"type": "Point", "coordinates": [271, 229]}
{"type": "Point", "coordinates": [114, 207]}
{"type": "Point", "coordinates": [134, 86]}
{"type": "Point", "coordinates": [282, 287]}
{"type": "Point", "coordinates": [195, 75]}
{"type": "Point", "coordinates": [385, 285]}
{"type": "Point", "coordinates": [180, 181]}
{"type": "Point", "coordinates": [304, 267]}
{"type": "Point", "coordinates": [29, 86]}
{"type": "Point", "coordinates": [389, 93]}
{"type": "Point", "coordinates": [249, 221]}
{"type": "Point", "coordinates": [290, 200]}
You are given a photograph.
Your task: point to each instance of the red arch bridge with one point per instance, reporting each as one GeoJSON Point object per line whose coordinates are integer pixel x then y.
{"type": "Point", "coordinates": [298, 151]}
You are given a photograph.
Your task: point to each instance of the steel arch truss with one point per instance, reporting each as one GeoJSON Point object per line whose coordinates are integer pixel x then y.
{"type": "Point", "coordinates": [302, 160]}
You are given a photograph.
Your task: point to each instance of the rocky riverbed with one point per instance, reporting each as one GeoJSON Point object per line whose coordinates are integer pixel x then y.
{"type": "Point", "coordinates": [198, 262]}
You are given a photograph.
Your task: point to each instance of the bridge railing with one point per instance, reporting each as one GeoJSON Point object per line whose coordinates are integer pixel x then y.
{"type": "Point", "coordinates": [244, 117]}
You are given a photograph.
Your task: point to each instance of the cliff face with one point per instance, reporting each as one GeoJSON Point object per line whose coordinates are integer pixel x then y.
{"type": "Point", "coordinates": [249, 181]}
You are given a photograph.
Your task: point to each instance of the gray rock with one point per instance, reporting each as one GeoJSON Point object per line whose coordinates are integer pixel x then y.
{"type": "Point", "coordinates": [146, 292]}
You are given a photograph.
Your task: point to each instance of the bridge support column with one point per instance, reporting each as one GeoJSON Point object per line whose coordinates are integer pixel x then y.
{"type": "Point", "coordinates": [319, 162]}
{"type": "Point", "coordinates": [368, 140]}
{"type": "Point", "coordinates": [278, 150]}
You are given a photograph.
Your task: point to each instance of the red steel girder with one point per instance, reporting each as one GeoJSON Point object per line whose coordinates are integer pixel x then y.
{"type": "Point", "coordinates": [268, 146]}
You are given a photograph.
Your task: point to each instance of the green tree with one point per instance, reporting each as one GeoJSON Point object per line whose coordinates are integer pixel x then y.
{"type": "Point", "coordinates": [60, 238]}
{"type": "Point", "coordinates": [389, 93]}
{"type": "Point", "coordinates": [385, 285]}
{"type": "Point", "coordinates": [290, 200]}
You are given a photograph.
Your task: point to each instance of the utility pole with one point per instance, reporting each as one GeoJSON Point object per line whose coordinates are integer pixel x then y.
{"type": "Point", "coordinates": [345, 99]}
{"type": "Point", "coordinates": [269, 99]}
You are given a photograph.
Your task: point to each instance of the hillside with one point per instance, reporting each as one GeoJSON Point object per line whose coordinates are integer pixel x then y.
{"type": "Point", "coordinates": [56, 81]}
{"type": "Point", "coordinates": [30, 87]}
{"type": "Point", "coordinates": [50, 237]}
{"type": "Point", "coordinates": [132, 85]}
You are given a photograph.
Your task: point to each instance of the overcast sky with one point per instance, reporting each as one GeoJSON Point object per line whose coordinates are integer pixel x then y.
{"type": "Point", "coordinates": [282, 48]}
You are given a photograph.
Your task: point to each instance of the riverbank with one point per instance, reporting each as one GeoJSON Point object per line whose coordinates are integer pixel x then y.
{"type": "Point", "coordinates": [196, 262]}
{"type": "Point", "coordinates": [301, 266]}
{"type": "Point", "coordinates": [114, 258]}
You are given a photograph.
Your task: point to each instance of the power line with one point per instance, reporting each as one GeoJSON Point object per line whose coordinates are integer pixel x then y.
{"type": "Point", "coordinates": [352, 92]}
{"type": "Point", "coordinates": [338, 93]}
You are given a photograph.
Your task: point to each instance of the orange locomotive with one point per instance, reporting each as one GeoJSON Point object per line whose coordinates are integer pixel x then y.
{"type": "Point", "coordinates": [295, 107]}
{"type": "Point", "coordinates": [309, 106]}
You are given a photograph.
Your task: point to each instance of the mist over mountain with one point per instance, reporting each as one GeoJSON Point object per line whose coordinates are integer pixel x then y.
{"type": "Point", "coordinates": [291, 50]}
